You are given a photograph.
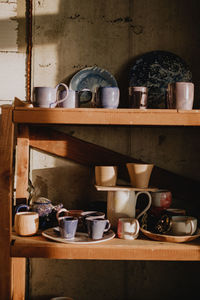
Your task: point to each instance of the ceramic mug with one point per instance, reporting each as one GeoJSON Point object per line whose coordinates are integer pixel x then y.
{"type": "Point", "coordinates": [180, 95]}
{"type": "Point", "coordinates": [139, 174]}
{"type": "Point", "coordinates": [128, 228]}
{"type": "Point", "coordinates": [161, 198]}
{"type": "Point", "coordinates": [67, 227]}
{"type": "Point", "coordinates": [138, 97]}
{"type": "Point", "coordinates": [47, 97]}
{"type": "Point", "coordinates": [183, 225]}
{"type": "Point", "coordinates": [122, 204]}
{"type": "Point", "coordinates": [106, 175]}
{"type": "Point", "coordinates": [97, 227]}
{"type": "Point", "coordinates": [107, 97]}
{"type": "Point", "coordinates": [26, 223]}
{"type": "Point", "coordinates": [71, 101]}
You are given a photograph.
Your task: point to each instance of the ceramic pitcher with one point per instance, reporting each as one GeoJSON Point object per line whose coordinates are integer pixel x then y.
{"type": "Point", "coordinates": [122, 204]}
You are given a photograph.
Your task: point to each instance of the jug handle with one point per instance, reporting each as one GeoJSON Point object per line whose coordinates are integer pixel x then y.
{"type": "Point", "coordinates": [148, 205]}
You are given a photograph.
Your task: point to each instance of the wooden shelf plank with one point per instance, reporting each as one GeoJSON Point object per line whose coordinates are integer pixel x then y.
{"type": "Point", "coordinates": [116, 249]}
{"type": "Point", "coordinates": [99, 116]}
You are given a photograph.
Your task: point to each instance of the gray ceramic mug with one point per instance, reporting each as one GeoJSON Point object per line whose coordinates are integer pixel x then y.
{"type": "Point", "coordinates": [71, 101]}
{"type": "Point", "coordinates": [107, 97]}
{"type": "Point", "coordinates": [97, 227]}
{"type": "Point", "coordinates": [48, 97]}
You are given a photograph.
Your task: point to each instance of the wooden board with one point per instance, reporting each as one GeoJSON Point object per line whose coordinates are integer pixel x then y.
{"type": "Point", "coordinates": [116, 249]}
{"type": "Point", "coordinates": [102, 116]}
{"type": "Point", "coordinates": [6, 176]}
{"type": "Point", "coordinates": [124, 188]}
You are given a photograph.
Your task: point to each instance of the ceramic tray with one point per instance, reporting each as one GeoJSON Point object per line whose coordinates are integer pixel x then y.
{"type": "Point", "coordinates": [155, 70]}
{"type": "Point", "coordinates": [80, 238]}
{"type": "Point", "coordinates": [170, 238]}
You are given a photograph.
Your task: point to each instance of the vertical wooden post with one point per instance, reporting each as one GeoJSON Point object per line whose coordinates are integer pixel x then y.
{"type": "Point", "coordinates": [22, 172]}
{"type": "Point", "coordinates": [6, 191]}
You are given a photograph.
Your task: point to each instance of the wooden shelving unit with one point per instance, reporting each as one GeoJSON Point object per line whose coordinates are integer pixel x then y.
{"type": "Point", "coordinates": [15, 249]}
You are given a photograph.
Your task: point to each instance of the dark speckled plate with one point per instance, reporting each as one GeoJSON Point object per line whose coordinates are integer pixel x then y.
{"type": "Point", "coordinates": [155, 70]}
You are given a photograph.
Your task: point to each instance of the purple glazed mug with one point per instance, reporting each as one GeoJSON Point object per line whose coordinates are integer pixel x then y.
{"type": "Point", "coordinates": [48, 97]}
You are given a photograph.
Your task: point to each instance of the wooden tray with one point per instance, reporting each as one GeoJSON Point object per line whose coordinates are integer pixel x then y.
{"type": "Point", "coordinates": [170, 238]}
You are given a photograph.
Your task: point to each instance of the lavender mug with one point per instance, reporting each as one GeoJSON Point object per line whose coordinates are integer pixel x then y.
{"type": "Point", "coordinates": [48, 97]}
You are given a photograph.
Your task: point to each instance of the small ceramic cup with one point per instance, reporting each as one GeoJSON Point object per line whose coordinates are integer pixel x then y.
{"type": "Point", "coordinates": [26, 223]}
{"type": "Point", "coordinates": [183, 225]}
{"type": "Point", "coordinates": [161, 198]}
{"type": "Point", "coordinates": [106, 175]}
{"type": "Point", "coordinates": [128, 228]}
{"type": "Point", "coordinates": [97, 227]}
{"type": "Point", "coordinates": [71, 101]}
{"type": "Point", "coordinates": [107, 97]}
{"type": "Point", "coordinates": [68, 226]}
{"type": "Point", "coordinates": [180, 95]}
{"type": "Point", "coordinates": [138, 97]}
{"type": "Point", "coordinates": [139, 174]}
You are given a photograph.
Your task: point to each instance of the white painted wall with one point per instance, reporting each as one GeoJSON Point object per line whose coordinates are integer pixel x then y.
{"type": "Point", "coordinates": [12, 55]}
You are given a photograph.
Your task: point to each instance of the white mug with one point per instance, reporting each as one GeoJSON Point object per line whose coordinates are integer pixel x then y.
{"type": "Point", "coordinates": [183, 225]}
{"type": "Point", "coordinates": [122, 204]}
{"type": "Point", "coordinates": [128, 228]}
{"type": "Point", "coordinates": [26, 223]}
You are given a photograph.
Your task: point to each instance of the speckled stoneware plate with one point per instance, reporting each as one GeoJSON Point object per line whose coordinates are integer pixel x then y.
{"type": "Point", "coordinates": [91, 78]}
{"type": "Point", "coordinates": [155, 70]}
{"type": "Point", "coordinates": [170, 238]}
{"type": "Point", "coordinates": [80, 237]}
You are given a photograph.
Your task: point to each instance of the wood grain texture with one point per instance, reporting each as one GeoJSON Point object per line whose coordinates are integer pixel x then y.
{"type": "Point", "coordinates": [6, 179]}
{"type": "Point", "coordinates": [100, 116]}
{"type": "Point", "coordinates": [19, 278]}
{"type": "Point", "coordinates": [116, 249]}
{"type": "Point", "coordinates": [22, 162]}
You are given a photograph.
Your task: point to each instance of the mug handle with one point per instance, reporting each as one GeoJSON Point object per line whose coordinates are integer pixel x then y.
{"type": "Point", "coordinates": [137, 228]}
{"type": "Point", "coordinates": [192, 227]}
{"type": "Point", "coordinates": [18, 208]}
{"type": "Point", "coordinates": [148, 205]}
{"type": "Point", "coordinates": [63, 99]}
{"type": "Point", "coordinates": [59, 212]}
{"type": "Point", "coordinates": [107, 226]}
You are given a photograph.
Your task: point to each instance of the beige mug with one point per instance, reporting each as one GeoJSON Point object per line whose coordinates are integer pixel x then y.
{"type": "Point", "coordinates": [26, 223]}
{"type": "Point", "coordinates": [106, 175]}
{"type": "Point", "coordinates": [139, 174]}
{"type": "Point", "coordinates": [180, 95]}
{"type": "Point", "coordinates": [183, 225]}
{"type": "Point", "coordinates": [128, 228]}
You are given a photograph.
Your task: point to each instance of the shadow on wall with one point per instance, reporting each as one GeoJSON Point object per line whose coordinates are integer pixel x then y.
{"type": "Point", "coordinates": [71, 185]}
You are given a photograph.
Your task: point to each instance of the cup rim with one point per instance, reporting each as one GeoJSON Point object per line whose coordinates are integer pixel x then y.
{"type": "Point", "coordinates": [183, 218]}
{"type": "Point", "coordinates": [27, 213]}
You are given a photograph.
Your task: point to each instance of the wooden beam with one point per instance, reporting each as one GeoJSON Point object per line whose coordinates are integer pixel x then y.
{"type": "Point", "coordinates": [22, 162]}
{"type": "Point", "coordinates": [6, 188]}
{"type": "Point", "coordinates": [19, 278]}
{"type": "Point", "coordinates": [63, 145]}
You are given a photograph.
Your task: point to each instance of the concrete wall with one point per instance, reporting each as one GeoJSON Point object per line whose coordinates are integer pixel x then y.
{"type": "Point", "coordinates": [69, 35]}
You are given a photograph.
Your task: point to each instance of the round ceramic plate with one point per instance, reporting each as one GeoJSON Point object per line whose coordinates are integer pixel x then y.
{"type": "Point", "coordinates": [155, 70]}
{"type": "Point", "coordinates": [80, 237]}
{"type": "Point", "coordinates": [90, 79]}
{"type": "Point", "coordinates": [170, 238]}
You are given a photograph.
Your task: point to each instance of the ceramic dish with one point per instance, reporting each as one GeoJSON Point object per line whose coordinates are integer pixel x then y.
{"type": "Point", "coordinates": [80, 237]}
{"type": "Point", "coordinates": [170, 238]}
{"type": "Point", "coordinates": [155, 70]}
{"type": "Point", "coordinates": [90, 79]}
